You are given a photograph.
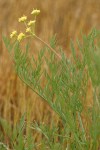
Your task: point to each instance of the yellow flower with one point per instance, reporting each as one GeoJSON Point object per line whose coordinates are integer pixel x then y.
{"type": "Point", "coordinates": [22, 19]}
{"type": "Point", "coordinates": [35, 12]}
{"type": "Point", "coordinates": [14, 33]}
{"type": "Point", "coordinates": [31, 22]}
{"type": "Point", "coordinates": [20, 36]}
{"type": "Point", "coordinates": [28, 29]}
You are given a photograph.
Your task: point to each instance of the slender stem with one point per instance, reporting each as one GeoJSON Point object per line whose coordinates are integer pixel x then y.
{"type": "Point", "coordinates": [47, 46]}
{"type": "Point", "coordinates": [34, 35]}
{"type": "Point", "coordinates": [25, 24]}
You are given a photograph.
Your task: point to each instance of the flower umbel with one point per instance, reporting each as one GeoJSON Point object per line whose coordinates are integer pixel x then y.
{"type": "Point", "coordinates": [14, 33]}
{"type": "Point", "coordinates": [28, 29]}
{"type": "Point", "coordinates": [22, 19]}
{"type": "Point", "coordinates": [20, 36]}
{"type": "Point", "coordinates": [31, 22]}
{"type": "Point", "coordinates": [35, 12]}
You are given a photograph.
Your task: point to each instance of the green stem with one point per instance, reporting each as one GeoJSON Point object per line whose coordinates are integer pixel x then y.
{"type": "Point", "coordinates": [47, 45]}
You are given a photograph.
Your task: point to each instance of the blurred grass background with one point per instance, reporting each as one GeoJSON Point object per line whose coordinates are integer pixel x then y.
{"type": "Point", "coordinates": [66, 19]}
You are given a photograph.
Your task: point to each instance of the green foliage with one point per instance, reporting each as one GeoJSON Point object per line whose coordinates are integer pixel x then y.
{"type": "Point", "coordinates": [63, 83]}
{"type": "Point", "coordinates": [15, 136]}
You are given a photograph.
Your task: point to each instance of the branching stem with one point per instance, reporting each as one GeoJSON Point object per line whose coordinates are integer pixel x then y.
{"type": "Point", "coordinates": [47, 46]}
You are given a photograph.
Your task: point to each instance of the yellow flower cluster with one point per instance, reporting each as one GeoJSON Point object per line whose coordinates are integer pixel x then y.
{"type": "Point", "coordinates": [35, 12]}
{"type": "Point", "coordinates": [31, 22]}
{"type": "Point", "coordinates": [14, 33]}
{"type": "Point", "coordinates": [20, 36]}
{"type": "Point", "coordinates": [28, 29]}
{"type": "Point", "coordinates": [22, 19]}
{"type": "Point", "coordinates": [30, 25]}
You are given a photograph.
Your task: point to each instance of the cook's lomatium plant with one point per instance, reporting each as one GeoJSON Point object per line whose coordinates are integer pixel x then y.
{"type": "Point", "coordinates": [63, 83]}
